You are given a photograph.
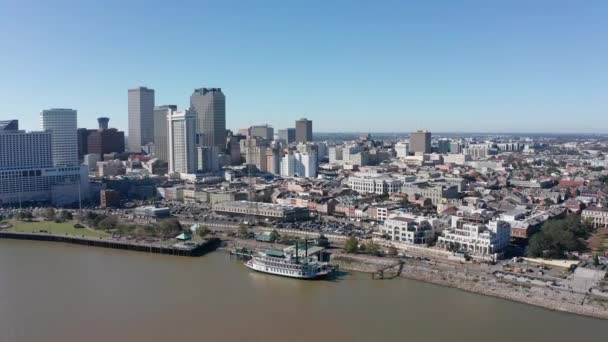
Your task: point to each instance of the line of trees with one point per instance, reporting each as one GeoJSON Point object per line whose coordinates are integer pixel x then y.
{"type": "Point", "coordinates": [558, 237]}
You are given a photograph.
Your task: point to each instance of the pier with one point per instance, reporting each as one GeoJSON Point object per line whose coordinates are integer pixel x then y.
{"type": "Point", "coordinates": [393, 270]}
{"type": "Point", "coordinates": [179, 249]}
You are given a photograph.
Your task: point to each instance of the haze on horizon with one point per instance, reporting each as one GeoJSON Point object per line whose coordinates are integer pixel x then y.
{"type": "Point", "coordinates": [350, 66]}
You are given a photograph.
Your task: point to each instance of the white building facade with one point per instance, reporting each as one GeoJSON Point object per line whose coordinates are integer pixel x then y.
{"type": "Point", "coordinates": [61, 122]}
{"type": "Point", "coordinates": [477, 238]}
{"type": "Point", "coordinates": [181, 137]}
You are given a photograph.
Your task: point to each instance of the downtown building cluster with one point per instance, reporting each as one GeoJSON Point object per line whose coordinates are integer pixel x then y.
{"type": "Point", "coordinates": [42, 166]}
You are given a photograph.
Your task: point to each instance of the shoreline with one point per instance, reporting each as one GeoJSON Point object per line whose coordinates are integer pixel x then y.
{"type": "Point", "coordinates": [488, 285]}
{"type": "Point", "coordinates": [481, 284]}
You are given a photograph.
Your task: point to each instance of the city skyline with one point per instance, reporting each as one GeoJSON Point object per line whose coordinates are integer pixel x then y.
{"type": "Point", "coordinates": [468, 67]}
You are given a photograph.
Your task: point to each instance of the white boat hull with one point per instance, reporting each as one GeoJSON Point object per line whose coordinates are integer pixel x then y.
{"type": "Point", "coordinates": [269, 270]}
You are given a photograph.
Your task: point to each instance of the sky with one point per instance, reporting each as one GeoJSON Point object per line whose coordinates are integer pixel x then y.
{"type": "Point", "coordinates": [349, 65]}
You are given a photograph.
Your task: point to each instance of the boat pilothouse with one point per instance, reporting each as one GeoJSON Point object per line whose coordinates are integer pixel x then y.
{"type": "Point", "coordinates": [289, 264]}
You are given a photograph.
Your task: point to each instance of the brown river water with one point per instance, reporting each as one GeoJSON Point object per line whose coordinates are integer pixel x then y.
{"type": "Point", "coordinates": [60, 292]}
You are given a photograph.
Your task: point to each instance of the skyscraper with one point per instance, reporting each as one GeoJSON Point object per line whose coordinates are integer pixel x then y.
{"type": "Point", "coordinates": [287, 135]}
{"type": "Point", "coordinates": [420, 142]}
{"type": "Point", "coordinates": [61, 122]}
{"type": "Point", "coordinates": [303, 130]}
{"type": "Point", "coordinates": [209, 105]}
{"type": "Point", "coordinates": [182, 145]}
{"type": "Point", "coordinates": [141, 118]}
{"type": "Point", "coordinates": [161, 145]}
{"type": "Point", "coordinates": [27, 171]}
{"type": "Point", "coordinates": [262, 131]}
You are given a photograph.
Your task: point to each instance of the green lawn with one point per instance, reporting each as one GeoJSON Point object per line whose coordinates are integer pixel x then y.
{"type": "Point", "coordinates": [54, 228]}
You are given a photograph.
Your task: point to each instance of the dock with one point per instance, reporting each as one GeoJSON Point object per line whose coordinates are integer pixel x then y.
{"type": "Point", "coordinates": [393, 270]}
{"type": "Point", "coordinates": [178, 249]}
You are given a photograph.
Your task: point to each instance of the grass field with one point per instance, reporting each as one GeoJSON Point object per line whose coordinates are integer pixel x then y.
{"type": "Point", "coordinates": [53, 228]}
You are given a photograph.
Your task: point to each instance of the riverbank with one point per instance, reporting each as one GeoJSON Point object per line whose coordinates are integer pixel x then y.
{"type": "Point", "coordinates": [480, 283]}
{"type": "Point", "coordinates": [179, 249]}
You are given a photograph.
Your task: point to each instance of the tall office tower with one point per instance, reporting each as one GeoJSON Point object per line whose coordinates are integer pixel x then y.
{"type": "Point", "coordinates": [208, 158]}
{"type": "Point", "coordinates": [105, 140]}
{"type": "Point", "coordinates": [455, 147]}
{"type": "Point", "coordinates": [322, 150]}
{"type": "Point", "coordinates": [336, 155]}
{"type": "Point", "coordinates": [443, 146]}
{"type": "Point", "coordinates": [181, 137]}
{"type": "Point", "coordinates": [9, 125]}
{"type": "Point", "coordinates": [303, 130]}
{"type": "Point", "coordinates": [420, 142]}
{"type": "Point", "coordinates": [100, 141]}
{"type": "Point", "coordinates": [62, 124]}
{"type": "Point", "coordinates": [161, 145]}
{"type": "Point", "coordinates": [273, 160]}
{"type": "Point", "coordinates": [287, 135]}
{"type": "Point", "coordinates": [262, 131]}
{"type": "Point", "coordinates": [27, 172]}
{"type": "Point", "coordinates": [233, 148]}
{"type": "Point", "coordinates": [141, 118]}
{"type": "Point", "coordinates": [209, 105]}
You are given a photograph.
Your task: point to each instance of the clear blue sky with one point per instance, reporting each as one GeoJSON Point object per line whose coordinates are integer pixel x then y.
{"type": "Point", "coordinates": [349, 65]}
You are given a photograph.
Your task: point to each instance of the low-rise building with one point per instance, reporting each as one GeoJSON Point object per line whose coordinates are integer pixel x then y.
{"type": "Point", "coordinates": [109, 198]}
{"type": "Point", "coordinates": [379, 185]}
{"type": "Point", "coordinates": [152, 212]}
{"type": "Point", "coordinates": [263, 210]}
{"type": "Point", "coordinates": [597, 216]}
{"type": "Point", "coordinates": [477, 238]}
{"type": "Point", "coordinates": [410, 230]}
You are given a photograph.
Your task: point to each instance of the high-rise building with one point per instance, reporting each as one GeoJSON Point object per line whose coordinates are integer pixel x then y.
{"type": "Point", "coordinates": [273, 160]}
{"type": "Point", "coordinates": [27, 172]}
{"type": "Point", "coordinates": [141, 118]}
{"type": "Point", "coordinates": [443, 146]}
{"type": "Point", "coordinates": [298, 164]}
{"type": "Point", "coordinates": [420, 142]}
{"type": "Point", "coordinates": [455, 147]}
{"type": "Point", "coordinates": [209, 105]}
{"type": "Point", "coordinates": [233, 148]}
{"type": "Point", "coordinates": [287, 135]}
{"type": "Point", "coordinates": [161, 145]}
{"type": "Point", "coordinates": [6, 125]}
{"type": "Point", "coordinates": [182, 142]}
{"type": "Point", "coordinates": [62, 124]}
{"type": "Point", "coordinates": [262, 131]}
{"type": "Point", "coordinates": [208, 158]}
{"type": "Point", "coordinates": [303, 130]}
{"type": "Point", "coordinates": [402, 149]}
{"type": "Point", "coordinates": [100, 141]}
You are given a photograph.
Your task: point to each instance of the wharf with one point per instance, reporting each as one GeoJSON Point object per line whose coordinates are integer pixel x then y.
{"type": "Point", "coordinates": [179, 249]}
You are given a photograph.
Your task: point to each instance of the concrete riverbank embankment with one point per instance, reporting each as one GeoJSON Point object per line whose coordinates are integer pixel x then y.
{"type": "Point", "coordinates": [482, 283]}
{"type": "Point", "coordinates": [190, 250]}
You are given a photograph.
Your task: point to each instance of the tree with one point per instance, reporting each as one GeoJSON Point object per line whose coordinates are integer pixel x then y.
{"type": "Point", "coordinates": [274, 235]}
{"type": "Point", "coordinates": [373, 248]}
{"type": "Point", "coordinates": [108, 222]}
{"type": "Point", "coordinates": [203, 231]}
{"type": "Point", "coordinates": [352, 245]}
{"type": "Point", "coordinates": [557, 237]}
{"type": "Point", "coordinates": [392, 251]}
{"type": "Point", "coordinates": [169, 227]}
{"type": "Point", "coordinates": [48, 214]}
{"type": "Point", "coordinates": [243, 229]}
{"type": "Point", "coordinates": [65, 215]}
{"type": "Point", "coordinates": [596, 260]}
{"type": "Point", "coordinates": [24, 215]}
